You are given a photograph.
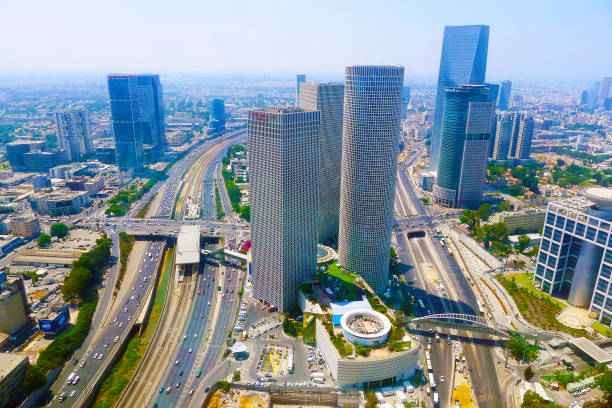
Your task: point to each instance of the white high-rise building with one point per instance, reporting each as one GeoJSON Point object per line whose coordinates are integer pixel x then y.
{"type": "Point", "coordinates": [370, 144]}
{"type": "Point", "coordinates": [328, 99]}
{"type": "Point", "coordinates": [284, 187]}
{"type": "Point", "coordinates": [72, 129]}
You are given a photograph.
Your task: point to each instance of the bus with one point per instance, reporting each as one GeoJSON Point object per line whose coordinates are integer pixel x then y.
{"type": "Point", "coordinates": [480, 308]}
{"type": "Point", "coordinates": [432, 382]}
{"type": "Point", "coordinates": [436, 400]}
{"type": "Point", "coordinates": [429, 368]}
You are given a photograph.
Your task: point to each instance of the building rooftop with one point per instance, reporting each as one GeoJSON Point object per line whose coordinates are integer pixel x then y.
{"type": "Point", "coordinates": [8, 362]}
{"type": "Point", "coordinates": [592, 350]}
{"type": "Point", "coordinates": [188, 245]}
{"type": "Point", "coordinates": [600, 195]}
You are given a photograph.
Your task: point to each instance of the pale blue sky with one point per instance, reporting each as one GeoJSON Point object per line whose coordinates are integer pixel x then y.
{"type": "Point", "coordinates": [530, 39]}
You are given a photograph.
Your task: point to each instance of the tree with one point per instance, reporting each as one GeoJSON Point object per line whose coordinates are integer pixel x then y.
{"type": "Point", "coordinates": [236, 376]}
{"type": "Point", "coordinates": [245, 212]}
{"type": "Point", "coordinates": [504, 206]}
{"type": "Point", "coordinates": [224, 386]}
{"type": "Point", "coordinates": [34, 378]}
{"type": "Point", "coordinates": [528, 373]}
{"type": "Point", "coordinates": [44, 240]}
{"type": "Point", "coordinates": [59, 229]}
{"type": "Point", "coordinates": [289, 328]}
{"type": "Point", "coordinates": [471, 218]}
{"type": "Point", "coordinates": [371, 399]}
{"type": "Point", "coordinates": [520, 349]}
{"type": "Point", "coordinates": [604, 382]}
{"type": "Point", "coordinates": [484, 211]}
{"type": "Point", "coordinates": [533, 400]}
{"type": "Point", "coordinates": [523, 242]}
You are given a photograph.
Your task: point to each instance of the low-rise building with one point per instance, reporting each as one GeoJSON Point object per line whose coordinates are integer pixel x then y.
{"type": "Point", "coordinates": [521, 222]}
{"type": "Point", "coordinates": [55, 318]}
{"type": "Point", "coordinates": [25, 226]}
{"type": "Point", "coordinates": [12, 371]}
{"type": "Point", "coordinates": [426, 180]}
{"type": "Point", "coordinates": [59, 202]}
{"type": "Point", "coordinates": [240, 169]}
{"type": "Point", "coordinates": [65, 171]}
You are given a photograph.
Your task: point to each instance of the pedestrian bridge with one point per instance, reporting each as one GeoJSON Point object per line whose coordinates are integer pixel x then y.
{"type": "Point", "coordinates": [466, 322]}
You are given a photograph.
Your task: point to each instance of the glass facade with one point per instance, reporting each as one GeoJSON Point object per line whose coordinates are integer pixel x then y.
{"type": "Point", "coordinates": [463, 61]}
{"type": "Point", "coordinates": [575, 257]}
{"type": "Point", "coordinates": [137, 114]}
{"type": "Point", "coordinates": [370, 144]}
{"type": "Point", "coordinates": [217, 115]}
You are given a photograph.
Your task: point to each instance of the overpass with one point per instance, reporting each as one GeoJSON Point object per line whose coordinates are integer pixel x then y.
{"type": "Point", "coordinates": [471, 323]}
{"type": "Point", "coordinates": [227, 253]}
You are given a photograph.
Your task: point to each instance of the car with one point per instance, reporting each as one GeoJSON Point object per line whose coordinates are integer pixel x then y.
{"type": "Point", "coordinates": [95, 356]}
{"type": "Point", "coordinates": [190, 350]}
{"type": "Point", "coordinates": [441, 378]}
{"type": "Point", "coordinates": [62, 397]}
{"type": "Point", "coordinates": [199, 373]}
{"type": "Point", "coordinates": [206, 389]}
{"type": "Point", "coordinates": [185, 337]}
{"type": "Point", "coordinates": [100, 356]}
{"type": "Point", "coordinates": [190, 392]}
{"type": "Point", "coordinates": [161, 390]}
{"type": "Point", "coordinates": [195, 335]}
{"type": "Point", "coordinates": [168, 390]}
{"type": "Point", "coordinates": [73, 393]}
{"type": "Point", "coordinates": [176, 362]}
{"type": "Point", "coordinates": [178, 384]}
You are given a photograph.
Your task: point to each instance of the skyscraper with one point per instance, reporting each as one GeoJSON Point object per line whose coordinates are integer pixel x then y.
{"type": "Point", "coordinates": [284, 184]}
{"type": "Point", "coordinates": [463, 61]}
{"type": "Point", "coordinates": [493, 95]}
{"type": "Point", "coordinates": [525, 136]}
{"type": "Point", "coordinates": [298, 80]}
{"type": "Point", "coordinates": [503, 135]}
{"type": "Point", "coordinates": [217, 116]}
{"type": "Point", "coordinates": [327, 98]}
{"type": "Point", "coordinates": [606, 87]}
{"type": "Point", "coordinates": [468, 112]}
{"type": "Point", "coordinates": [584, 98]}
{"type": "Point", "coordinates": [72, 130]}
{"type": "Point", "coordinates": [137, 113]}
{"type": "Point", "coordinates": [370, 144]}
{"type": "Point", "coordinates": [522, 134]}
{"type": "Point", "coordinates": [594, 94]}
{"type": "Point", "coordinates": [504, 95]}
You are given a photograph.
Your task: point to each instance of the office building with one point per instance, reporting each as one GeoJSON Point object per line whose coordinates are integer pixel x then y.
{"type": "Point", "coordinates": [463, 61]}
{"type": "Point", "coordinates": [12, 371]}
{"type": "Point", "coordinates": [466, 133]}
{"type": "Point", "coordinates": [217, 116]}
{"type": "Point", "coordinates": [16, 150]}
{"type": "Point", "coordinates": [504, 95]}
{"type": "Point", "coordinates": [521, 222]}
{"type": "Point", "coordinates": [594, 95]}
{"type": "Point", "coordinates": [40, 181]}
{"type": "Point", "coordinates": [494, 96]}
{"type": "Point", "coordinates": [605, 90]}
{"type": "Point", "coordinates": [607, 103]}
{"type": "Point", "coordinates": [73, 135]}
{"type": "Point", "coordinates": [370, 144]}
{"type": "Point", "coordinates": [575, 256]}
{"type": "Point", "coordinates": [260, 100]}
{"type": "Point", "coordinates": [284, 187]}
{"type": "Point", "coordinates": [328, 99]}
{"type": "Point", "coordinates": [137, 114]}
{"type": "Point", "coordinates": [14, 307]}
{"type": "Point", "coordinates": [299, 79]}
{"type": "Point", "coordinates": [584, 98]}
{"type": "Point", "coordinates": [25, 226]}
{"type": "Point", "coordinates": [503, 136]}
{"type": "Point", "coordinates": [59, 202]}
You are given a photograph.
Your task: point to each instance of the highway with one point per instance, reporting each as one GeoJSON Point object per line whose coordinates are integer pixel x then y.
{"type": "Point", "coordinates": [94, 356]}
{"type": "Point", "coordinates": [427, 256]}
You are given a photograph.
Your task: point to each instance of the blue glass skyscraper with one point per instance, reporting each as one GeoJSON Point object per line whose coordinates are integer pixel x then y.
{"type": "Point", "coordinates": [463, 61]}
{"type": "Point", "coordinates": [137, 114]}
{"type": "Point", "coordinates": [217, 116]}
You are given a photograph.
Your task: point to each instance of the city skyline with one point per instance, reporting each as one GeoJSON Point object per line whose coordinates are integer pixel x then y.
{"type": "Point", "coordinates": [540, 43]}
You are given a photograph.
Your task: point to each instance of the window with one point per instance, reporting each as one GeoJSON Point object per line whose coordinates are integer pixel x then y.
{"type": "Point", "coordinates": [540, 270]}
{"type": "Point", "coordinates": [598, 299]}
{"type": "Point", "coordinates": [602, 285]}
{"type": "Point", "coordinates": [547, 232]}
{"type": "Point", "coordinates": [602, 237]}
{"type": "Point", "coordinates": [552, 261]}
{"type": "Point", "coordinates": [550, 219]}
{"type": "Point", "coordinates": [545, 244]}
{"type": "Point", "coordinates": [557, 235]}
{"type": "Point", "coordinates": [606, 271]}
{"type": "Point", "coordinates": [590, 233]}
{"type": "Point", "coordinates": [569, 225]}
{"type": "Point", "coordinates": [549, 273]}
{"type": "Point", "coordinates": [559, 222]}
{"type": "Point", "coordinates": [580, 229]}
{"type": "Point", "coordinates": [555, 248]}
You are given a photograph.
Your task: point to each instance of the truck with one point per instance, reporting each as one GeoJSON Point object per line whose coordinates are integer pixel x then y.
{"type": "Point", "coordinates": [70, 378]}
{"type": "Point", "coordinates": [436, 400]}
{"type": "Point", "coordinates": [432, 381]}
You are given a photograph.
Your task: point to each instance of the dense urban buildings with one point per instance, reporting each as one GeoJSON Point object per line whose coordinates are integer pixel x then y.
{"type": "Point", "coordinates": [73, 135]}
{"type": "Point", "coordinates": [12, 371]}
{"type": "Point", "coordinates": [137, 118]}
{"type": "Point", "coordinates": [504, 95]}
{"type": "Point", "coordinates": [463, 61]}
{"type": "Point", "coordinates": [370, 144]}
{"type": "Point", "coordinates": [14, 309]}
{"type": "Point", "coordinates": [284, 187]}
{"type": "Point", "coordinates": [464, 146]}
{"type": "Point", "coordinates": [503, 137]}
{"type": "Point", "coordinates": [575, 255]}
{"type": "Point", "coordinates": [217, 116]}
{"type": "Point", "coordinates": [328, 99]}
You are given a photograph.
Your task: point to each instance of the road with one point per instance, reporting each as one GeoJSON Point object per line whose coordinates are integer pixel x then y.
{"type": "Point", "coordinates": [427, 256]}
{"type": "Point", "coordinates": [119, 328]}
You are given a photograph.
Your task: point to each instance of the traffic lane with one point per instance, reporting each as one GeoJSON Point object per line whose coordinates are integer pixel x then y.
{"type": "Point", "coordinates": [483, 373]}
{"type": "Point", "coordinates": [169, 399]}
{"type": "Point", "coordinates": [442, 361]}
{"type": "Point", "coordinates": [106, 342]}
{"type": "Point", "coordinates": [197, 326]}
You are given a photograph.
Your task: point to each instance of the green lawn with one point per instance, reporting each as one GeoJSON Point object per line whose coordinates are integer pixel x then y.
{"type": "Point", "coordinates": [334, 270]}
{"type": "Point", "coordinates": [601, 329]}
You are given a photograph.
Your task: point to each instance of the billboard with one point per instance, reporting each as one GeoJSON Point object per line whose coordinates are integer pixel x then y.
{"type": "Point", "coordinates": [56, 324]}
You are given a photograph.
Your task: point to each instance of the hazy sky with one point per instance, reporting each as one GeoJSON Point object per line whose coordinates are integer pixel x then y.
{"type": "Point", "coordinates": [529, 39]}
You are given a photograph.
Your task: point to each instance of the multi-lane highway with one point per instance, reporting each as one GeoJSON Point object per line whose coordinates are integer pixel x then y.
{"type": "Point", "coordinates": [91, 359]}
{"type": "Point", "coordinates": [434, 267]}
